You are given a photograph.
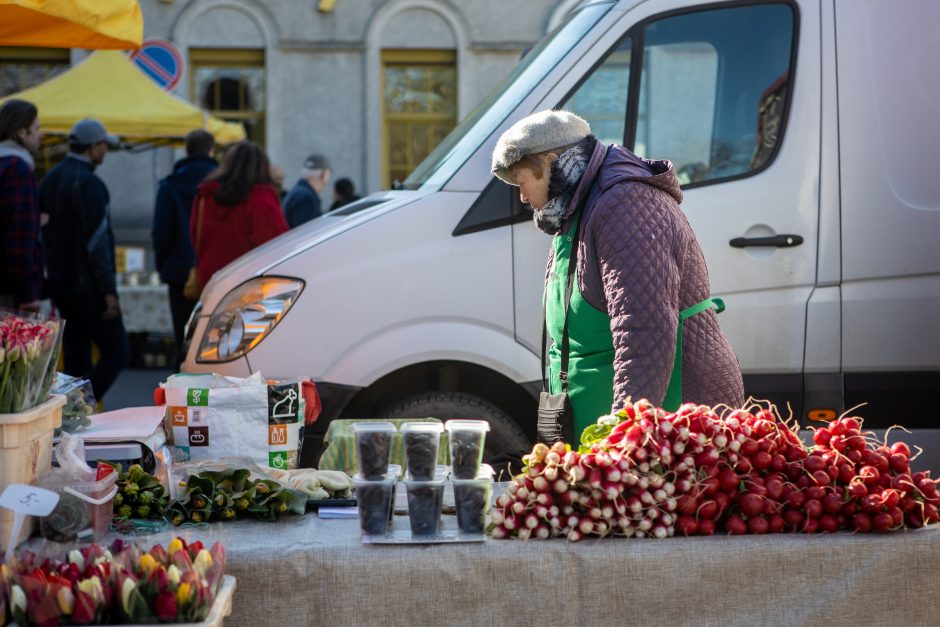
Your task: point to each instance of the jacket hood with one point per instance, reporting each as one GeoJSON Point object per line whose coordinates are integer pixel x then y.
{"type": "Point", "coordinates": [188, 172]}
{"type": "Point", "coordinates": [10, 148]}
{"type": "Point", "coordinates": [622, 165]}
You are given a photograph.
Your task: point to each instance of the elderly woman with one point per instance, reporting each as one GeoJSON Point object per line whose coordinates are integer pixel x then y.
{"type": "Point", "coordinates": [627, 296]}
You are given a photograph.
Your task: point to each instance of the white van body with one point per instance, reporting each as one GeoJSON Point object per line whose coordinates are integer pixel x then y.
{"type": "Point", "coordinates": [435, 292]}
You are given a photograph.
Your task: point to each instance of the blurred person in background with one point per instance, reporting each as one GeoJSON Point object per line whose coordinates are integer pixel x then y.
{"type": "Point", "coordinates": [302, 203]}
{"type": "Point", "coordinates": [172, 247]}
{"type": "Point", "coordinates": [343, 193]}
{"type": "Point", "coordinates": [21, 262]}
{"type": "Point", "coordinates": [80, 256]}
{"type": "Point", "coordinates": [236, 209]}
{"type": "Point", "coordinates": [277, 174]}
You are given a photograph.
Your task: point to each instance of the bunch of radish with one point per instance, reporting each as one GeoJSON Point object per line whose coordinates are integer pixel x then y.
{"type": "Point", "coordinates": [872, 483]}
{"type": "Point", "coordinates": [698, 472]}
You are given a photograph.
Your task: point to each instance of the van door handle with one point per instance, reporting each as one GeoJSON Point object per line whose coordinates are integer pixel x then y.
{"type": "Point", "coordinates": [780, 241]}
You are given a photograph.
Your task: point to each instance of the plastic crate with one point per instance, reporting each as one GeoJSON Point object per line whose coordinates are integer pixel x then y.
{"type": "Point", "coordinates": [84, 510]}
{"type": "Point", "coordinates": [26, 453]}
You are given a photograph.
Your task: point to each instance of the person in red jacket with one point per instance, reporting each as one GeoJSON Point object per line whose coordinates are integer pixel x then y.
{"type": "Point", "coordinates": [235, 210]}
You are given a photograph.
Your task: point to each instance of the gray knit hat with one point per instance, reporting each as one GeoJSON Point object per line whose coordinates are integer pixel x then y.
{"type": "Point", "coordinates": [539, 132]}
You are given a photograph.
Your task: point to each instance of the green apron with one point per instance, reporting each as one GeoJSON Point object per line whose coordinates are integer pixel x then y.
{"type": "Point", "coordinates": [591, 344]}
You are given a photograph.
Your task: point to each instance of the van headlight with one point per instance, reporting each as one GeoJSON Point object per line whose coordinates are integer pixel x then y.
{"type": "Point", "coordinates": [246, 314]}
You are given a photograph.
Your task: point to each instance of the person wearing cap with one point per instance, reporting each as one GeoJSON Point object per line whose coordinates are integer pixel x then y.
{"type": "Point", "coordinates": [638, 318]}
{"type": "Point", "coordinates": [80, 257]}
{"type": "Point", "coordinates": [20, 248]}
{"type": "Point", "coordinates": [302, 203]}
{"type": "Point", "coordinates": [173, 250]}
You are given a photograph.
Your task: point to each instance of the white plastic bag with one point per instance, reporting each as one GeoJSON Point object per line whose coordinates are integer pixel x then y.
{"type": "Point", "coordinates": [210, 416]}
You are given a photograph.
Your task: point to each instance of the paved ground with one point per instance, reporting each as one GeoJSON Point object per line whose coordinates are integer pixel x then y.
{"type": "Point", "coordinates": [134, 387]}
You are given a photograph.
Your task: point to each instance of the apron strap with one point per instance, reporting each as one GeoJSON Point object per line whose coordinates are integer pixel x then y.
{"type": "Point", "coordinates": [674, 390]}
{"type": "Point", "coordinates": [574, 234]}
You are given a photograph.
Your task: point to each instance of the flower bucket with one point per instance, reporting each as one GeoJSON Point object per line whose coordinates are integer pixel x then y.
{"type": "Point", "coordinates": [26, 453]}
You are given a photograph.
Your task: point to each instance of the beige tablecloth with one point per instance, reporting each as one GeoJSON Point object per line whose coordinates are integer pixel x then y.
{"type": "Point", "coordinates": [307, 571]}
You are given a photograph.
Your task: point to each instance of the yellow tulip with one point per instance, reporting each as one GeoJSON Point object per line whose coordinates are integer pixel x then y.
{"type": "Point", "coordinates": [175, 545]}
{"type": "Point", "coordinates": [17, 598]}
{"type": "Point", "coordinates": [202, 562]}
{"type": "Point", "coordinates": [66, 600]}
{"type": "Point", "coordinates": [92, 587]}
{"type": "Point", "coordinates": [147, 563]}
{"type": "Point", "coordinates": [173, 574]}
{"type": "Point", "coordinates": [182, 593]}
{"type": "Point", "coordinates": [126, 589]}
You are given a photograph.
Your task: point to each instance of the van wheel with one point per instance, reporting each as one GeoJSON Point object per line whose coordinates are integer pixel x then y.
{"type": "Point", "coordinates": [504, 436]}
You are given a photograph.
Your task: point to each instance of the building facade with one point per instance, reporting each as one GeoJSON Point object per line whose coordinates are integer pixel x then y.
{"type": "Point", "coordinates": [372, 84]}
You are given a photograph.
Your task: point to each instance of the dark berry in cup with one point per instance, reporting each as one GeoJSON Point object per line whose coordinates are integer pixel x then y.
{"type": "Point", "coordinates": [425, 502]}
{"type": "Point", "coordinates": [422, 442]}
{"type": "Point", "coordinates": [466, 446]}
{"type": "Point", "coordinates": [472, 498]}
{"type": "Point", "coordinates": [373, 445]}
{"type": "Point", "coordinates": [374, 500]}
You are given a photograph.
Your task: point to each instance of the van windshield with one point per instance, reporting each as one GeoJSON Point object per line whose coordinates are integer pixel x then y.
{"type": "Point", "coordinates": [461, 142]}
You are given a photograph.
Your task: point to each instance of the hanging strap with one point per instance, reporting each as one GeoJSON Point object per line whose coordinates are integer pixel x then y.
{"type": "Point", "coordinates": [674, 390]}
{"type": "Point", "coordinates": [572, 266]}
{"type": "Point", "coordinates": [202, 202]}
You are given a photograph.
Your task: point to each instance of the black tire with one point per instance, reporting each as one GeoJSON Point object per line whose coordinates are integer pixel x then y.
{"type": "Point", "coordinates": [505, 436]}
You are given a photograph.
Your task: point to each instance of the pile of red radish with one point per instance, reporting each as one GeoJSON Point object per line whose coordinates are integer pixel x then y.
{"type": "Point", "coordinates": [695, 472]}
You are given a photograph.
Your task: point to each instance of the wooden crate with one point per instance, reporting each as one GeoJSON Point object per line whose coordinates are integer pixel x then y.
{"type": "Point", "coordinates": [26, 453]}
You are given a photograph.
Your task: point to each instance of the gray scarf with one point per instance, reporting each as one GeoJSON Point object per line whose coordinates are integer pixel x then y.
{"type": "Point", "coordinates": [10, 148]}
{"type": "Point", "coordinates": [566, 173]}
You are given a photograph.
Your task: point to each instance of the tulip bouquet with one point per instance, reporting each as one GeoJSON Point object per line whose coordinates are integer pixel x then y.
{"type": "Point", "coordinates": [122, 584]}
{"type": "Point", "coordinates": [175, 584]}
{"type": "Point", "coordinates": [29, 349]}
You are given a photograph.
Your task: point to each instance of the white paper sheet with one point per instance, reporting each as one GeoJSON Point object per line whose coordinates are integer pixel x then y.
{"type": "Point", "coordinates": [120, 425]}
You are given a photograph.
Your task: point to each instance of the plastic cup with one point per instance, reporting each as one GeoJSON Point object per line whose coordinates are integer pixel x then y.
{"type": "Point", "coordinates": [373, 445]}
{"type": "Point", "coordinates": [425, 503]}
{"type": "Point", "coordinates": [466, 446]}
{"type": "Point", "coordinates": [472, 500]}
{"type": "Point", "coordinates": [374, 499]}
{"type": "Point", "coordinates": [422, 442]}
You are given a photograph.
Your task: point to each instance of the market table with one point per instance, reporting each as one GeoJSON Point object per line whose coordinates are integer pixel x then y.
{"type": "Point", "coordinates": [316, 572]}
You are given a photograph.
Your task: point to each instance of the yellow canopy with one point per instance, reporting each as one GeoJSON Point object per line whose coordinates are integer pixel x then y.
{"type": "Point", "coordinates": [71, 23]}
{"type": "Point", "coordinates": [108, 86]}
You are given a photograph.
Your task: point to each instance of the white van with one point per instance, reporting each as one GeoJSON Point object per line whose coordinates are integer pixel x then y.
{"type": "Point", "coordinates": [806, 134]}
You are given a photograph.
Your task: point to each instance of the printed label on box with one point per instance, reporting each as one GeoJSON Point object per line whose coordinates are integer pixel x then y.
{"type": "Point", "coordinates": [277, 435]}
{"type": "Point", "coordinates": [283, 403]}
{"type": "Point", "coordinates": [278, 459]}
{"type": "Point", "coordinates": [197, 396]}
{"type": "Point", "coordinates": [179, 416]}
{"type": "Point", "coordinates": [199, 436]}
{"type": "Point", "coordinates": [178, 436]}
{"type": "Point", "coordinates": [198, 417]}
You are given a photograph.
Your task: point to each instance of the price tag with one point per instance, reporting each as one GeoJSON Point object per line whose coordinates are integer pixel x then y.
{"type": "Point", "coordinates": [25, 500]}
{"type": "Point", "coordinates": [29, 500]}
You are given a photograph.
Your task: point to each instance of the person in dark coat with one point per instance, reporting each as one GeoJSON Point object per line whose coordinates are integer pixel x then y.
{"type": "Point", "coordinates": [639, 275]}
{"type": "Point", "coordinates": [302, 203]}
{"type": "Point", "coordinates": [80, 255]}
{"type": "Point", "coordinates": [171, 217]}
{"type": "Point", "coordinates": [20, 248]}
{"type": "Point", "coordinates": [343, 193]}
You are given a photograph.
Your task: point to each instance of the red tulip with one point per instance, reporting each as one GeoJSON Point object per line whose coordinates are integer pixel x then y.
{"type": "Point", "coordinates": [84, 612]}
{"type": "Point", "coordinates": [166, 606]}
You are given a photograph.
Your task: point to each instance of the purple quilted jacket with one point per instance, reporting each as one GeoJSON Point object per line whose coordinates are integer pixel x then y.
{"type": "Point", "coordinates": [639, 261]}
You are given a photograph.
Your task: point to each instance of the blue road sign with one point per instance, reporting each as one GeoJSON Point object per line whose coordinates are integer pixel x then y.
{"type": "Point", "coordinates": [160, 60]}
